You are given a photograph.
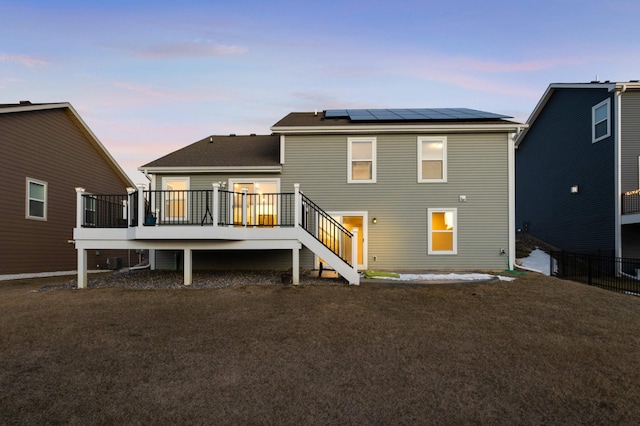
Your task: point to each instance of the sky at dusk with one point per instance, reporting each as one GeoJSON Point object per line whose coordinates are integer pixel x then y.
{"type": "Point", "coordinates": [149, 77]}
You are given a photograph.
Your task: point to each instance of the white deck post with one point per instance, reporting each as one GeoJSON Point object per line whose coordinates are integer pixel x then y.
{"type": "Point", "coordinates": [130, 209]}
{"type": "Point", "coordinates": [216, 204]}
{"type": "Point", "coordinates": [297, 205]}
{"type": "Point", "coordinates": [244, 206]}
{"type": "Point", "coordinates": [141, 209]}
{"type": "Point", "coordinates": [79, 207]}
{"type": "Point", "coordinates": [82, 268]}
{"type": "Point", "coordinates": [188, 266]}
{"type": "Point", "coordinates": [295, 266]}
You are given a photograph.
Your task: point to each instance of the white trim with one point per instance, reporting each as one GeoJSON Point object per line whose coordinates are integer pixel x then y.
{"type": "Point", "coordinates": [430, 231]}
{"type": "Point", "coordinates": [373, 141]}
{"type": "Point", "coordinates": [45, 202]}
{"type": "Point", "coordinates": [364, 232]}
{"type": "Point", "coordinates": [604, 103]}
{"type": "Point", "coordinates": [232, 169]}
{"type": "Point", "coordinates": [617, 158]}
{"type": "Point", "coordinates": [282, 142]}
{"type": "Point", "coordinates": [512, 201]}
{"type": "Point", "coordinates": [416, 128]}
{"type": "Point", "coordinates": [437, 139]}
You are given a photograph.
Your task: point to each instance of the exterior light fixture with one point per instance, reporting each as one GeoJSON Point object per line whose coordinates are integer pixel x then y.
{"type": "Point", "coordinates": [574, 189]}
{"type": "Point", "coordinates": [462, 198]}
{"type": "Point", "coordinates": [374, 220]}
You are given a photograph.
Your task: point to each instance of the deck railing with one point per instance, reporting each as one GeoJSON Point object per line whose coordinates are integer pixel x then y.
{"type": "Point", "coordinates": [105, 211]}
{"type": "Point", "coordinates": [326, 229]}
{"type": "Point", "coordinates": [631, 202]}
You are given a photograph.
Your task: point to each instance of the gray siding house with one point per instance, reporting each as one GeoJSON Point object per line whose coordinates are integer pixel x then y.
{"type": "Point", "coordinates": [578, 168]}
{"type": "Point", "coordinates": [421, 189]}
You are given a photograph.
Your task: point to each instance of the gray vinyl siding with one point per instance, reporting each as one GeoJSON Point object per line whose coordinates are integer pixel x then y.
{"type": "Point", "coordinates": [630, 140]}
{"type": "Point", "coordinates": [477, 168]}
{"type": "Point", "coordinates": [556, 154]}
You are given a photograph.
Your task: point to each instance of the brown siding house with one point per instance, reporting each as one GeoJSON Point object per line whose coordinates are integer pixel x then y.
{"type": "Point", "coordinates": [48, 151]}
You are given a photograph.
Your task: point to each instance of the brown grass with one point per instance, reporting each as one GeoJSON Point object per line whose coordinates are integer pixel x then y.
{"type": "Point", "coordinates": [534, 351]}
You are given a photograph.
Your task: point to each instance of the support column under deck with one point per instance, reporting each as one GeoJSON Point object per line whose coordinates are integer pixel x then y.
{"type": "Point", "coordinates": [295, 266]}
{"type": "Point", "coordinates": [188, 266]}
{"type": "Point", "coordinates": [82, 268]}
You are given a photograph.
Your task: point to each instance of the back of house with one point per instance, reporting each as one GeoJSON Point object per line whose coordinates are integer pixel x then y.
{"type": "Point", "coordinates": [426, 189]}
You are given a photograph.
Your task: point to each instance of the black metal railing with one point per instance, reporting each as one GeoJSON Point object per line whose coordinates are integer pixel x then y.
{"type": "Point", "coordinates": [326, 229]}
{"type": "Point", "coordinates": [178, 207]}
{"type": "Point", "coordinates": [631, 202]}
{"type": "Point", "coordinates": [256, 210]}
{"type": "Point", "coordinates": [599, 270]}
{"type": "Point", "coordinates": [105, 211]}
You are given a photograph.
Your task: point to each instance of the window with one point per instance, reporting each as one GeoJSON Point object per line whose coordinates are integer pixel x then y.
{"type": "Point", "coordinates": [362, 160]}
{"type": "Point", "coordinates": [432, 159]}
{"type": "Point", "coordinates": [443, 231]}
{"type": "Point", "coordinates": [174, 197]}
{"type": "Point", "coordinates": [36, 199]}
{"type": "Point", "coordinates": [601, 124]}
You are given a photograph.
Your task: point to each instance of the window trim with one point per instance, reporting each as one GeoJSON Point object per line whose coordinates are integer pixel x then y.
{"type": "Point", "coordinates": [441, 139]}
{"type": "Point", "coordinates": [430, 251]}
{"type": "Point", "coordinates": [28, 198]}
{"type": "Point", "coordinates": [373, 160]}
{"type": "Point", "coordinates": [607, 103]}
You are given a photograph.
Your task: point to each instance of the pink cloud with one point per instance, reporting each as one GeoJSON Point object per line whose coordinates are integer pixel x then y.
{"type": "Point", "coordinates": [27, 61]}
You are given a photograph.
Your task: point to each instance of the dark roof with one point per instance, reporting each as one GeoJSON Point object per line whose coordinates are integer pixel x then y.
{"type": "Point", "coordinates": [225, 151]}
{"type": "Point", "coordinates": [297, 119]}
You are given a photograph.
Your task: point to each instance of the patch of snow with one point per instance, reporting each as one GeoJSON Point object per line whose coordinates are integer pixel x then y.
{"type": "Point", "coordinates": [9, 277]}
{"type": "Point", "coordinates": [537, 261]}
{"type": "Point", "coordinates": [446, 277]}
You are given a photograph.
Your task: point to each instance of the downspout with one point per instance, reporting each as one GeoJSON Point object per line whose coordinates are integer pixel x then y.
{"type": "Point", "coordinates": [512, 199]}
{"type": "Point", "coordinates": [617, 103]}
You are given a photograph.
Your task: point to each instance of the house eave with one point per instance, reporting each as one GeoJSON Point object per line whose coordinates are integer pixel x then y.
{"type": "Point", "coordinates": [209, 169]}
{"type": "Point", "coordinates": [405, 128]}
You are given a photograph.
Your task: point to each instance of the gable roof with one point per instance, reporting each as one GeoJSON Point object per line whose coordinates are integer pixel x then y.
{"type": "Point", "coordinates": [393, 120]}
{"type": "Point", "coordinates": [244, 153]}
{"type": "Point", "coordinates": [553, 87]}
{"type": "Point", "coordinates": [27, 106]}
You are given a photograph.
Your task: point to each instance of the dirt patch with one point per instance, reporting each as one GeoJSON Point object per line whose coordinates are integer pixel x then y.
{"type": "Point", "coordinates": [537, 350]}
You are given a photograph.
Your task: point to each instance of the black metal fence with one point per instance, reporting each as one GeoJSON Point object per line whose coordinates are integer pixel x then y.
{"type": "Point", "coordinates": [599, 270]}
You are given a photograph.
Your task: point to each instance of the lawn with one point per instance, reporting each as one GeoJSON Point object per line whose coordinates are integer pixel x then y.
{"type": "Point", "coordinates": [537, 350]}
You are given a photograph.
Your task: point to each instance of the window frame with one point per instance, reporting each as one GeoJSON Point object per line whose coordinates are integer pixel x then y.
{"type": "Point", "coordinates": [430, 231]}
{"type": "Point", "coordinates": [28, 199]}
{"type": "Point", "coordinates": [606, 103]}
{"type": "Point", "coordinates": [350, 160]}
{"type": "Point", "coordinates": [441, 139]}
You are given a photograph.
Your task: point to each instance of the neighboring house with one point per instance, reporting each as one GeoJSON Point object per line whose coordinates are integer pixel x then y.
{"type": "Point", "coordinates": [47, 151]}
{"type": "Point", "coordinates": [577, 168]}
{"type": "Point", "coordinates": [422, 189]}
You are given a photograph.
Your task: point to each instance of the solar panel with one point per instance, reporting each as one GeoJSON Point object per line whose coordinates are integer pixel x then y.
{"type": "Point", "coordinates": [417, 114]}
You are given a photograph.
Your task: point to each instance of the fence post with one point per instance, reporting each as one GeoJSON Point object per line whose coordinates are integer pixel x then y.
{"type": "Point", "coordinates": [141, 210]}
{"type": "Point", "coordinates": [297, 209]}
{"type": "Point", "coordinates": [216, 203]}
{"type": "Point", "coordinates": [79, 207]}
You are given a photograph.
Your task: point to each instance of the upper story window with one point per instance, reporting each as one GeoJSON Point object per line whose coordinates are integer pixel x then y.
{"type": "Point", "coordinates": [601, 121]}
{"type": "Point", "coordinates": [432, 159]}
{"type": "Point", "coordinates": [36, 199]}
{"type": "Point", "coordinates": [361, 162]}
